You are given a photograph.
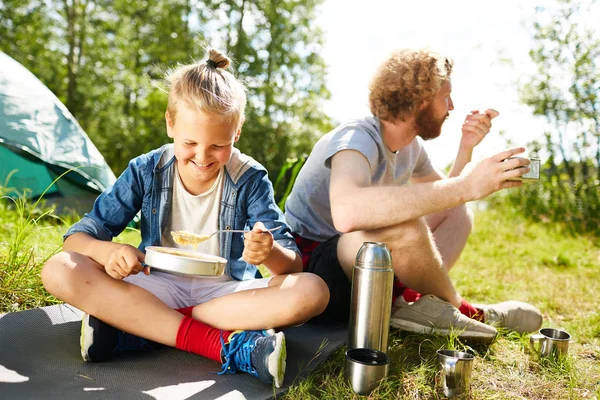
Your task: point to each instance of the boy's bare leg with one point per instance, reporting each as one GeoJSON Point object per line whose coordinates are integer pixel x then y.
{"type": "Point", "coordinates": [78, 280]}
{"type": "Point", "coordinates": [451, 229]}
{"type": "Point", "coordinates": [81, 282]}
{"type": "Point", "coordinates": [416, 260]}
{"type": "Point", "coordinates": [289, 300]}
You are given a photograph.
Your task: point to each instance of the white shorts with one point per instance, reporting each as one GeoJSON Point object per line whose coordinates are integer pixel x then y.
{"type": "Point", "coordinates": [183, 291]}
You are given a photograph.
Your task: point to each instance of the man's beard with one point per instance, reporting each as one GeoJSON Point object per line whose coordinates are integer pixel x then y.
{"type": "Point", "coordinates": [427, 125]}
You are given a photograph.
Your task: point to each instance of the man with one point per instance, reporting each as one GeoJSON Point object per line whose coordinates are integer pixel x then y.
{"type": "Point", "coordinates": [370, 180]}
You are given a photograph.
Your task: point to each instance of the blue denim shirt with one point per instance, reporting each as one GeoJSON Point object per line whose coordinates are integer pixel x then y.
{"type": "Point", "coordinates": [147, 185]}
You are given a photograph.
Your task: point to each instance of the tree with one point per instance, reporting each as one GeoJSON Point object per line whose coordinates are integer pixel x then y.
{"type": "Point", "coordinates": [565, 90]}
{"type": "Point", "coordinates": [276, 48]}
{"type": "Point", "coordinates": [105, 60]}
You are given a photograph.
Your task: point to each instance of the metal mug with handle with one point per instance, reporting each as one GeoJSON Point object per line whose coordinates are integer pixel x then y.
{"type": "Point", "coordinates": [550, 342]}
{"type": "Point", "coordinates": [454, 372]}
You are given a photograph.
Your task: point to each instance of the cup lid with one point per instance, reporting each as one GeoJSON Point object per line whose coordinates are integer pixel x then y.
{"type": "Point", "coordinates": [374, 254]}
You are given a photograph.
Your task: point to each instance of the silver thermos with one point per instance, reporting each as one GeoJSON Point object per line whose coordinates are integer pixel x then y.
{"type": "Point", "coordinates": [371, 302]}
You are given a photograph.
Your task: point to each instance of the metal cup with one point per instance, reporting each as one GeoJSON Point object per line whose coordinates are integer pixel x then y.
{"type": "Point", "coordinates": [534, 170]}
{"type": "Point", "coordinates": [365, 368]}
{"type": "Point", "coordinates": [454, 372]}
{"type": "Point", "coordinates": [550, 342]}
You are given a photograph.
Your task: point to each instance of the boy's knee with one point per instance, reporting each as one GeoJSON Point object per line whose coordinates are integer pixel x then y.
{"type": "Point", "coordinates": [319, 292]}
{"type": "Point", "coordinates": [52, 268]}
{"type": "Point", "coordinates": [312, 294]}
{"type": "Point", "coordinates": [57, 274]}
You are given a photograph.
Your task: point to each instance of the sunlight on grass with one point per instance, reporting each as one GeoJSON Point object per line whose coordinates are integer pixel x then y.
{"type": "Point", "coordinates": [31, 233]}
{"type": "Point", "coordinates": [506, 258]}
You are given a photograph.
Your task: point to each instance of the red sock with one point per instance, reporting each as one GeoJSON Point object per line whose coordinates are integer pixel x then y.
{"type": "Point", "coordinates": [407, 294]}
{"type": "Point", "coordinates": [467, 309]}
{"type": "Point", "coordinates": [186, 310]}
{"type": "Point", "coordinates": [410, 295]}
{"type": "Point", "coordinates": [198, 338]}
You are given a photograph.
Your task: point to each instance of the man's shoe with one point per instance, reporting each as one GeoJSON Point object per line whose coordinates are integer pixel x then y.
{"type": "Point", "coordinates": [259, 353]}
{"type": "Point", "coordinates": [515, 315]}
{"type": "Point", "coordinates": [99, 341]}
{"type": "Point", "coordinates": [432, 315]}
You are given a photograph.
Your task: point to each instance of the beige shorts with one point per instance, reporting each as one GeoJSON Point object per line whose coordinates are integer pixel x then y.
{"type": "Point", "coordinates": [182, 291]}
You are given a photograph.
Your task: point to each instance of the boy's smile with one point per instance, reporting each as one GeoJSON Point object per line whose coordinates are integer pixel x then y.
{"type": "Point", "coordinates": [203, 144]}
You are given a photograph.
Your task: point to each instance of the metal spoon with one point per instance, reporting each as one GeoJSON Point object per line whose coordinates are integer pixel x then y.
{"type": "Point", "coordinates": [185, 238]}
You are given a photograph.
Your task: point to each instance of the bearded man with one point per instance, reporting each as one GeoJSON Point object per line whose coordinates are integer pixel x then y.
{"type": "Point", "coordinates": [371, 180]}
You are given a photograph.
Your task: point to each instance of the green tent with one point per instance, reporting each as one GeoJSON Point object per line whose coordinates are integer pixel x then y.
{"type": "Point", "coordinates": [40, 140]}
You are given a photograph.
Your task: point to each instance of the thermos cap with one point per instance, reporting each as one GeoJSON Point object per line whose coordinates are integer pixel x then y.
{"type": "Point", "coordinates": [374, 255]}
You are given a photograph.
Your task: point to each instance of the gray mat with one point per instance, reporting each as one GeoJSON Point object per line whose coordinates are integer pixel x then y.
{"type": "Point", "coordinates": [40, 359]}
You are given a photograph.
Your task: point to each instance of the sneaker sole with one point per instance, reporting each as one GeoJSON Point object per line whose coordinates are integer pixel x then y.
{"type": "Point", "coordinates": [430, 330]}
{"type": "Point", "coordinates": [85, 337]}
{"type": "Point", "coordinates": [277, 360]}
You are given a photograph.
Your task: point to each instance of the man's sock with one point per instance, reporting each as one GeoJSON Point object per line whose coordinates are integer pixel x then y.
{"type": "Point", "coordinates": [467, 309]}
{"type": "Point", "coordinates": [410, 295]}
{"type": "Point", "coordinates": [198, 338]}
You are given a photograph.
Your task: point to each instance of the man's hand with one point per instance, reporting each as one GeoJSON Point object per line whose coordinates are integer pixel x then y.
{"type": "Point", "coordinates": [124, 261]}
{"type": "Point", "coordinates": [258, 244]}
{"type": "Point", "coordinates": [476, 126]}
{"type": "Point", "coordinates": [494, 173]}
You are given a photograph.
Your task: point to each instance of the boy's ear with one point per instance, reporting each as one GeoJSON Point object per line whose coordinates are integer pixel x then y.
{"type": "Point", "coordinates": [169, 125]}
{"type": "Point", "coordinates": [239, 131]}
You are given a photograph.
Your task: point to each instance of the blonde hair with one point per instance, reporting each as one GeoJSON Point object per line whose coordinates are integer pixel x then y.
{"type": "Point", "coordinates": [208, 87]}
{"type": "Point", "coordinates": [405, 81]}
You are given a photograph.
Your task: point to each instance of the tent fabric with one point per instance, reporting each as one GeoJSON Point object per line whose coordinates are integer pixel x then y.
{"type": "Point", "coordinates": [30, 174]}
{"type": "Point", "coordinates": [35, 125]}
{"type": "Point", "coordinates": [40, 359]}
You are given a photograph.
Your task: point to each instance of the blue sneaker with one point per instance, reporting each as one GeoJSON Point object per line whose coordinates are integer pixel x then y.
{"type": "Point", "coordinates": [259, 353]}
{"type": "Point", "coordinates": [99, 341]}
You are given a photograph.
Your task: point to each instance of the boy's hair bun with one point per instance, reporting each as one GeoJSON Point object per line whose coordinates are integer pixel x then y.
{"type": "Point", "coordinates": [216, 59]}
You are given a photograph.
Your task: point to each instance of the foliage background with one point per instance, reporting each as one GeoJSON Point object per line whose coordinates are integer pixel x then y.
{"type": "Point", "coordinates": [105, 60]}
{"type": "Point", "coordinates": [565, 91]}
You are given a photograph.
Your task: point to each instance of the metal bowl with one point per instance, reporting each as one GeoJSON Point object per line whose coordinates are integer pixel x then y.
{"type": "Point", "coordinates": [184, 262]}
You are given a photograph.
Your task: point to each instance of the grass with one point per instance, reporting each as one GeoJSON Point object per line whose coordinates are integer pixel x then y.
{"type": "Point", "coordinates": [507, 257]}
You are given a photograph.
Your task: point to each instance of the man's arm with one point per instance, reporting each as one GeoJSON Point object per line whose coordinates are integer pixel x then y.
{"type": "Point", "coordinates": [474, 130]}
{"type": "Point", "coordinates": [356, 205]}
{"type": "Point", "coordinates": [433, 176]}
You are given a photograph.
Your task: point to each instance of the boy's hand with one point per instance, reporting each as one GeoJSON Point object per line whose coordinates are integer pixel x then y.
{"type": "Point", "coordinates": [258, 244]}
{"type": "Point", "coordinates": [124, 261]}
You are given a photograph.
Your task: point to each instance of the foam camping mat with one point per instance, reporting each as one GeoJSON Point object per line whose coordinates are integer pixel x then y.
{"type": "Point", "coordinates": [40, 359]}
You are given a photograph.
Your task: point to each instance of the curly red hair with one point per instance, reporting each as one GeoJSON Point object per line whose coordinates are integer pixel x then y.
{"type": "Point", "coordinates": [406, 81]}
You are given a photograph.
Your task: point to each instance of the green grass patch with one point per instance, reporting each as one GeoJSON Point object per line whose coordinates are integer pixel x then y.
{"type": "Point", "coordinates": [507, 257]}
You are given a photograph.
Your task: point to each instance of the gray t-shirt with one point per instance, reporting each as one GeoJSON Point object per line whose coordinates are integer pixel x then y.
{"type": "Point", "coordinates": [308, 210]}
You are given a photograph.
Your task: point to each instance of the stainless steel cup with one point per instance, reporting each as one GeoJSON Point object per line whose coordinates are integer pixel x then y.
{"type": "Point", "coordinates": [534, 170]}
{"type": "Point", "coordinates": [454, 373]}
{"type": "Point", "coordinates": [550, 342]}
{"type": "Point", "coordinates": [365, 368]}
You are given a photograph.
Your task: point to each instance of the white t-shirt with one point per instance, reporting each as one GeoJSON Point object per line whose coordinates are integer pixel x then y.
{"type": "Point", "coordinates": [198, 214]}
{"type": "Point", "coordinates": [308, 209]}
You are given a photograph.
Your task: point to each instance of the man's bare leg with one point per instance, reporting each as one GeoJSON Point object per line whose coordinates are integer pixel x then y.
{"type": "Point", "coordinates": [451, 229]}
{"type": "Point", "coordinates": [416, 260]}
